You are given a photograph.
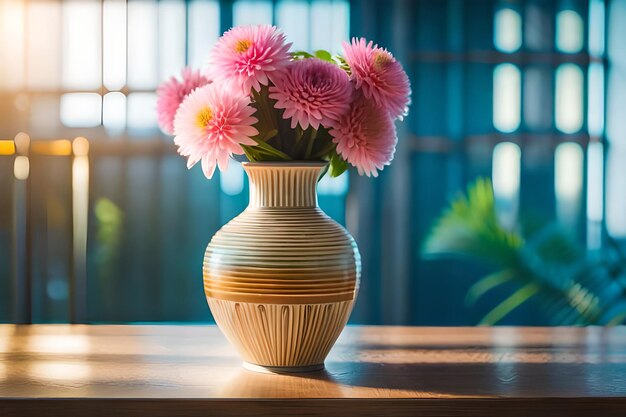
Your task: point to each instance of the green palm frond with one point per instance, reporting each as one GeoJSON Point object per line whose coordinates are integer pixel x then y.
{"type": "Point", "coordinates": [469, 227]}
{"type": "Point", "coordinates": [547, 266]}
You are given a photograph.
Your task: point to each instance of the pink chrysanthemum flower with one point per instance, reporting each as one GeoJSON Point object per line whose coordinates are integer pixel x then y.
{"type": "Point", "coordinates": [249, 56]}
{"type": "Point", "coordinates": [366, 137]}
{"type": "Point", "coordinates": [212, 124]}
{"type": "Point", "coordinates": [172, 92]}
{"type": "Point", "coordinates": [377, 73]}
{"type": "Point", "coordinates": [313, 92]}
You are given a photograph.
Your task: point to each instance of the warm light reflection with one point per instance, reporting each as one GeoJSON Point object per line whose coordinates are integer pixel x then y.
{"type": "Point", "coordinates": [59, 147]}
{"type": "Point", "coordinates": [491, 356]}
{"type": "Point", "coordinates": [80, 202]}
{"type": "Point", "coordinates": [22, 143]}
{"type": "Point", "coordinates": [80, 146]}
{"type": "Point", "coordinates": [3, 371]}
{"type": "Point", "coordinates": [59, 371]}
{"type": "Point", "coordinates": [66, 344]}
{"type": "Point", "coordinates": [7, 147]}
{"type": "Point", "coordinates": [21, 167]}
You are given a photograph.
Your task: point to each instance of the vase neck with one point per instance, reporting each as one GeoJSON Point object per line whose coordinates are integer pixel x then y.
{"type": "Point", "coordinates": [283, 184]}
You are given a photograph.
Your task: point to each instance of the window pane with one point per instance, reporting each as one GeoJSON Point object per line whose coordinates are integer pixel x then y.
{"type": "Point", "coordinates": [12, 44]}
{"type": "Point", "coordinates": [616, 192]}
{"type": "Point", "coordinates": [142, 44]}
{"type": "Point", "coordinates": [595, 183]}
{"type": "Point", "coordinates": [114, 112]}
{"type": "Point", "coordinates": [171, 37]}
{"type": "Point", "coordinates": [231, 181]}
{"type": "Point", "coordinates": [81, 45]}
{"type": "Point", "coordinates": [568, 183]}
{"type": "Point", "coordinates": [538, 27]}
{"type": "Point", "coordinates": [595, 98]}
{"type": "Point", "coordinates": [141, 112]}
{"type": "Point", "coordinates": [43, 45]}
{"type": "Point", "coordinates": [506, 97]}
{"type": "Point", "coordinates": [569, 31]}
{"type": "Point", "coordinates": [333, 186]}
{"type": "Point", "coordinates": [114, 44]}
{"type": "Point", "coordinates": [204, 29]}
{"type": "Point", "coordinates": [81, 109]}
{"type": "Point", "coordinates": [538, 97]}
{"type": "Point", "coordinates": [506, 181]}
{"type": "Point", "coordinates": [596, 27]}
{"type": "Point", "coordinates": [293, 18]}
{"type": "Point", "coordinates": [507, 32]}
{"type": "Point", "coordinates": [250, 12]}
{"type": "Point", "coordinates": [569, 98]}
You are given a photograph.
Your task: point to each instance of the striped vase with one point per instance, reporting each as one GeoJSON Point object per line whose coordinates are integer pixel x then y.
{"type": "Point", "coordinates": [281, 278]}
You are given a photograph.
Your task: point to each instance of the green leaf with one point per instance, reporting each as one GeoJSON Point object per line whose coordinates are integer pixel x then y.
{"type": "Point", "coordinates": [470, 227]}
{"type": "Point", "coordinates": [301, 55]}
{"type": "Point", "coordinates": [323, 55]}
{"type": "Point", "coordinates": [549, 265]}
{"type": "Point", "coordinates": [487, 283]}
{"type": "Point", "coordinates": [324, 171]}
{"type": "Point", "coordinates": [268, 149]}
{"type": "Point", "coordinates": [509, 304]}
{"type": "Point", "coordinates": [337, 165]}
{"type": "Point", "coordinates": [343, 64]}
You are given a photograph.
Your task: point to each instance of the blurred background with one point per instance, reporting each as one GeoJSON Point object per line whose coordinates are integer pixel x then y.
{"type": "Point", "coordinates": [100, 221]}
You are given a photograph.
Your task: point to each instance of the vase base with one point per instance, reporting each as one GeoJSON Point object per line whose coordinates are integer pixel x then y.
{"type": "Point", "coordinates": [283, 369]}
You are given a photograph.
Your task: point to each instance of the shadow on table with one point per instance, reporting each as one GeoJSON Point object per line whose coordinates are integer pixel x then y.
{"type": "Point", "coordinates": [395, 380]}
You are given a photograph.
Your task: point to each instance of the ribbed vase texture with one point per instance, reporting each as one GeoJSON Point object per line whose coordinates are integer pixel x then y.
{"type": "Point", "coordinates": [281, 278]}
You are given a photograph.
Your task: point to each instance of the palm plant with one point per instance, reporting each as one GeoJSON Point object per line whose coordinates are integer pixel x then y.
{"type": "Point", "coordinates": [547, 265]}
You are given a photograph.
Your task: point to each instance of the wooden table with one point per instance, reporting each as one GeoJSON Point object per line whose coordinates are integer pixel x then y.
{"type": "Point", "coordinates": [48, 370]}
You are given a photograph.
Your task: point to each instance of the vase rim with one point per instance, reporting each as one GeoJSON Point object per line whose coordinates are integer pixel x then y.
{"type": "Point", "coordinates": [290, 164]}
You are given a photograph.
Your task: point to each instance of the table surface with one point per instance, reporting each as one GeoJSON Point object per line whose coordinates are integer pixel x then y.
{"type": "Point", "coordinates": [97, 369]}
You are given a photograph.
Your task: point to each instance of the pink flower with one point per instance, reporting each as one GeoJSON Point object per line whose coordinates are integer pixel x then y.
{"type": "Point", "coordinates": [366, 137]}
{"type": "Point", "coordinates": [313, 92]}
{"type": "Point", "coordinates": [249, 56]}
{"type": "Point", "coordinates": [172, 92]}
{"type": "Point", "coordinates": [377, 73]}
{"type": "Point", "coordinates": [212, 124]}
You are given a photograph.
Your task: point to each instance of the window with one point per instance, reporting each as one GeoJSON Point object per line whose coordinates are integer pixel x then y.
{"type": "Point", "coordinates": [526, 92]}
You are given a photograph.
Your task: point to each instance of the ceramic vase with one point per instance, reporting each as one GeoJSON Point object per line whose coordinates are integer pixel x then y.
{"type": "Point", "coordinates": [281, 278]}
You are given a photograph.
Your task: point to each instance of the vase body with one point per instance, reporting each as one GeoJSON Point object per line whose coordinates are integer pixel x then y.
{"type": "Point", "coordinates": [281, 278]}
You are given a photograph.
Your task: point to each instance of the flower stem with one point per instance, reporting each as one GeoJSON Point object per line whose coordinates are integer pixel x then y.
{"type": "Point", "coordinates": [309, 147]}
{"type": "Point", "coordinates": [270, 150]}
{"type": "Point", "coordinates": [325, 150]}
